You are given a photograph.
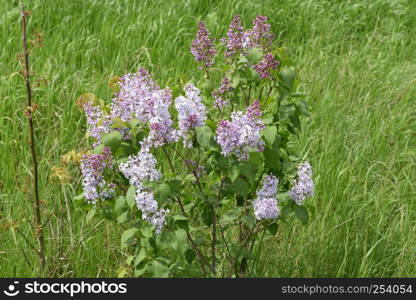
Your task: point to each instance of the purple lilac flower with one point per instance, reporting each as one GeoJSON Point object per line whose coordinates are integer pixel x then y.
{"type": "Point", "coordinates": [233, 42]}
{"type": "Point", "coordinates": [191, 112]}
{"type": "Point", "coordinates": [203, 47]}
{"type": "Point", "coordinates": [266, 205]}
{"type": "Point", "coordinates": [150, 212]}
{"type": "Point", "coordinates": [92, 169]}
{"type": "Point", "coordinates": [221, 94]}
{"type": "Point", "coordinates": [140, 167]}
{"type": "Point", "coordinates": [260, 35]}
{"type": "Point", "coordinates": [242, 133]}
{"type": "Point", "coordinates": [97, 122]}
{"type": "Point", "coordinates": [141, 98]}
{"type": "Point", "coordinates": [266, 65]}
{"type": "Point", "coordinates": [303, 187]}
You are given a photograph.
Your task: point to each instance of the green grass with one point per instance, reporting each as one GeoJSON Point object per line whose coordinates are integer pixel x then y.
{"type": "Point", "coordinates": [357, 63]}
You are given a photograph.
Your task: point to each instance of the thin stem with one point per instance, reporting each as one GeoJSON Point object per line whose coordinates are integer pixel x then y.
{"type": "Point", "coordinates": [29, 113]}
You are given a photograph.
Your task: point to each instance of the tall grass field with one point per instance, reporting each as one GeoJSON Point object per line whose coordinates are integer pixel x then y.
{"type": "Point", "coordinates": [357, 64]}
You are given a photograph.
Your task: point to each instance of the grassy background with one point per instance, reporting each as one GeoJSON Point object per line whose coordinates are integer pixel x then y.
{"type": "Point", "coordinates": [357, 60]}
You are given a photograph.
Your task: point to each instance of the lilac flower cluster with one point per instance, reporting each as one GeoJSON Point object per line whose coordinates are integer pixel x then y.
{"type": "Point", "coordinates": [303, 187]}
{"type": "Point", "coordinates": [233, 42]}
{"type": "Point", "coordinates": [140, 168]}
{"type": "Point", "coordinates": [266, 65]}
{"type": "Point", "coordinates": [266, 205]}
{"type": "Point", "coordinates": [97, 122]}
{"type": "Point", "coordinates": [92, 168]}
{"type": "Point", "coordinates": [221, 94]}
{"type": "Point", "coordinates": [141, 98]}
{"type": "Point", "coordinates": [258, 36]}
{"type": "Point", "coordinates": [203, 48]}
{"type": "Point", "coordinates": [191, 112]}
{"type": "Point", "coordinates": [150, 212]}
{"type": "Point", "coordinates": [242, 133]}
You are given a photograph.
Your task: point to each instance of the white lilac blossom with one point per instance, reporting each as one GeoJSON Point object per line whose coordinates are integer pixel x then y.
{"type": "Point", "coordinates": [242, 134]}
{"type": "Point", "coordinates": [150, 212]}
{"type": "Point", "coordinates": [141, 98]}
{"type": "Point", "coordinates": [303, 187]}
{"type": "Point", "coordinates": [140, 167]}
{"type": "Point", "coordinates": [92, 168]}
{"type": "Point", "coordinates": [191, 112]}
{"type": "Point", "coordinates": [266, 205]}
{"type": "Point", "coordinates": [97, 122]}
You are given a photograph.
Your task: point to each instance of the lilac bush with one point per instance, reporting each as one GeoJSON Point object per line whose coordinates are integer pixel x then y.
{"type": "Point", "coordinates": [195, 174]}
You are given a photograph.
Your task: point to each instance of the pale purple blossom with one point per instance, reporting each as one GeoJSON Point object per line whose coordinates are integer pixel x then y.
{"type": "Point", "coordinates": [191, 112]}
{"type": "Point", "coordinates": [203, 48]}
{"type": "Point", "coordinates": [242, 134]}
{"type": "Point", "coordinates": [92, 169]}
{"type": "Point", "coordinates": [233, 42]}
{"type": "Point", "coordinates": [303, 186]}
{"type": "Point", "coordinates": [266, 65]}
{"type": "Point", "coordinates": [97, 122]}
{"type": "Point", "coordinates": [266, 204]}
{"type": "Point", "coordinates": [141, 98]}
{"type": "Point", "coordinates": [259, 35]}
{"type": "Point", "coordinates": [150, 212]}
{"type": "Point", "coordinates": [221, 95]}
{"type": "Point", "coordinates": [140, 168]}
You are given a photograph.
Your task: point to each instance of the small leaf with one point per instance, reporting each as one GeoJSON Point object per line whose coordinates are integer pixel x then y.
{"type": "Point", "coordinates": [249, 220]}
{"type": "Point", "coordinates": [130, 196]}
{"type": "Point", "coordinates": [162, 192]}
{"type": "Point", "coordinates": [234, 173]}
{"type": "Point", "coordinates": [240, 187]}
{"type": "Point", "coordinates": [204, 137]}
{"type": "Point", "coordinates": [158, 270]}
{"type": "Point", "coordinates": [127, 235]}
{"type": "Point", "coordinates": [302, 214]}
{"type": "Point", "coordinates": [272, 228]}
{"type": "Point", "coordinates": [119, 204]}
{"type": "Point", "coordinates": [140, 257]}
{"type": "Point", "coordinates": [270, 134]}
{"type": "Point", "coordinates": [91, 214]}
{"type": "Point", "coordinates": [254, 55]}
{"type": "Point", "coordinates": [189, 255]}
{"type": "Point", "coordinates": [123, 217]}
{"type": "Point", "coordinates": [112, 140]}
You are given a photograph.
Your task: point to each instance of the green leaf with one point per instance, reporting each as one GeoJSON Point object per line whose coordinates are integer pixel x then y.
{"type": "Point", "coordinates": [287, 76]}
{"type": "Point", "coordinates": [162, 192]}
{"type": "Point", "coordinates": [112, 140]}
{"type": "Point", "coordinates": [158, 270]}
{"type": "Point", "coordinates": [130, 196]}
{"type": "Point", "coordinates": [272, 228]}
{"type": "Point", "coordinates": [190, 255]}
{"type": "Point", "coordinates": [140, 257]}
{"type": "Point", "coordinates": [123, 217]}
{"type": "Point", "coordinates": [249, 170]}
{"type": "Point", "coordinates": [272, 156]}
{"type": "Point", "coordinates": [119, 204]}
{"type": "Point", "coordinates": [234, 172]}
{"type": "Point", "coordinates": [91, 214]}
{"type": "Point", "coordinates": [204, 137]}
{"type": "Point", "coordinates": [302, 214]}
{"type": "Point", "coordinates": [249, 220]}
{"type": "Point", "coordinates": [254, 55]}
{"type": "Point", "coordinates": [270, 134]}
{"type": "Point", "coordinates": [127, 235]}
{"type": "Point", "coordinates": [241, 187]}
